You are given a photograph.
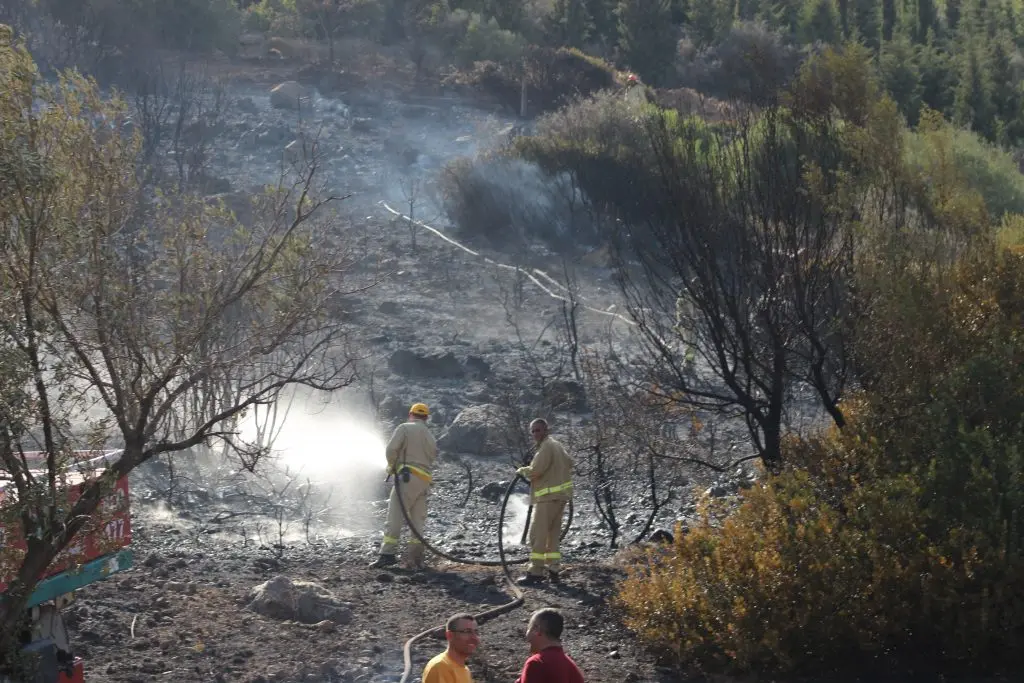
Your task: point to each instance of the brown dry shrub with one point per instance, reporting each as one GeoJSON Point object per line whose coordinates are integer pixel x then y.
{"type": "Point", "coordinates": [895, 543]}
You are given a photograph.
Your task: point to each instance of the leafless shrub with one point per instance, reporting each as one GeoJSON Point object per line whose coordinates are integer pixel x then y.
{"type": "Point", "coordinates": [178, 111]}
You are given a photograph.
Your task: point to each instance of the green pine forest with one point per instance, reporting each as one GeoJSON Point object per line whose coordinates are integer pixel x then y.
{"type": "Point", "coordinates": [958, 57]}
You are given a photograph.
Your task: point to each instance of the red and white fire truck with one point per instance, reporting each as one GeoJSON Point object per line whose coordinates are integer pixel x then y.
{"type": "Point", "coordinates": [100, 550]}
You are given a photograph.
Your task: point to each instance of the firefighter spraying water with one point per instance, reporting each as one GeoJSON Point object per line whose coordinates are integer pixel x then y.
{"type": "Point", "coordinates": [410, 454]}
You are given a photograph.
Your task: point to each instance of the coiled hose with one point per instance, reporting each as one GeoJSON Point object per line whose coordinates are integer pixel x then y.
{"type": "Point", "coordinates": [502, 562]}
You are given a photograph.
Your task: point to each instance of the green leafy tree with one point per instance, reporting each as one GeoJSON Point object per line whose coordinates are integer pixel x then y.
{"type": "Point", "coordinates": [1005, 91]}
{"type": "Point", "coordinates": [570, 23]}
{"type": "Point", "coordinates": [603, 14]}
{"type": "Point", "coordinates": [647, 37]}
{"type": "Point", "coordinates": [709, 20]}
{"type": "Point", "coordinates": [819, 20]}
{"type": "Point", "coordinates": [154, 324]}
{"type": "Point", "coordinates": [927, 20]}
{"type": "Point", "coordinates": [510, 14]}
{"type": "Point", "coordinates": [937, 76]}
{"type": "Point", "coordinates": [680, 11]}
{"type": "Point", "coordinates": [972, 105]}
{"type": "Point", "coordinates": [867, 22]}
{"type": "Point", "coordinates": [952, 12]}
{"type": "Point", "coordinates": [900, 76]}
{"type": "Point", "coordinates": [888, 19]}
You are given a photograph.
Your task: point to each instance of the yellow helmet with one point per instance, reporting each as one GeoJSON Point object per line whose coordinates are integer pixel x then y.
{"type": "Point", "coordinates": [419, 409]}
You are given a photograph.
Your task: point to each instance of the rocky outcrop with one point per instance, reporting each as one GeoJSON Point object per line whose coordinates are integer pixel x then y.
{"type": "Point", "coordinates": [392, 408]}
{"type": "Point", "coordinates": [476, 431]}
{"type": "Point", "coordinates": [478, 368]}
{"type": "Point", "coordinates": [302, 601]}
{"type": "Point", "coordinates": [290, 95]}
{"type": "Point", "coordinates": [493, 491]}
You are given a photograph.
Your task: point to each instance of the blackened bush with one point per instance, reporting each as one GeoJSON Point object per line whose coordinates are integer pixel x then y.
{"type": "Point", "coordinates": [606, 143]}
{"type": "Point", "coordinates": [505, 201]}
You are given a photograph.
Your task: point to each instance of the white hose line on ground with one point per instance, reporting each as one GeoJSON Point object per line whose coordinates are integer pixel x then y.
{"type": "Point", "coordinates": [531, 274]}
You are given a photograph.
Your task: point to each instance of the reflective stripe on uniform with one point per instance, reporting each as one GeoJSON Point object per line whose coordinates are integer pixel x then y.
{"type": "Point", "coordinates": [415, 541]}
{"type": "Point", "coordinates": [538, 556]}
{"type": "Point", "coordinates": [553, 556]}
{"type": "Point", "coordinates": [420, 472]}
{"type": "Point", "coordinates": [567, 486]}
{"type": "Point", "coordinates": [390, 539]}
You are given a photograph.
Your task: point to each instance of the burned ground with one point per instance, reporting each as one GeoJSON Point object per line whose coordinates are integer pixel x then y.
{"type": "Point", "coordinates": [182, 613]}
{"type": "Point", "coordinates": [434, 327]}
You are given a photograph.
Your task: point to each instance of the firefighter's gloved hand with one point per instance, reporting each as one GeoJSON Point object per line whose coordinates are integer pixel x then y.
{"type": "Point", "coordinates": [525, 472]}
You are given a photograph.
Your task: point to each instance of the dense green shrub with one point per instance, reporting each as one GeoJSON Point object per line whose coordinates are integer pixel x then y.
{"type": "Point", "coordinates": [751, 63]}
{"type": "Point", "coordinates": [604, 142]}
{"type": "Point", "coordinates": [1010, 235]}
{"type": "Point", "coordinates": [893, 544]}
{"type": "Point", "coordinates": [485, 41]}
{"type": "Point", "coordinates": [277, 17]}
{"type": "Point", "coordinates": [554, 78]}
{"type": "Point", "coordinates": [985, 167]}
{"type": "Point", "coordinates": [607, 144]}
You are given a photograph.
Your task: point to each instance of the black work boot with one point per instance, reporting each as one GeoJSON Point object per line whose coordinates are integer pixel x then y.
{"type": "Point", "coordinates": [530, 580]}
{"type": "Point", "coordinates": [554, 577]}
{"type": "Point", "coordinates": [383, 561]}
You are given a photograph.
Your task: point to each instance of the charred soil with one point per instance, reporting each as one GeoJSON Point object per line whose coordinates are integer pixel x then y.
{"type": "Point", "coordinates": [184, 613]}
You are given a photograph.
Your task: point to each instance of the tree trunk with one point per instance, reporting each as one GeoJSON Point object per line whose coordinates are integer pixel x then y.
{"type": "Point", "coordinates": [12, 608]}
{"type": "Point", "coordinates": [771, 453]}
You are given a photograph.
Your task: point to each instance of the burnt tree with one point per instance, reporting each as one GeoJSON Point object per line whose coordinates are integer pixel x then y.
{"type": "Point", "coordinates": [739, 281]}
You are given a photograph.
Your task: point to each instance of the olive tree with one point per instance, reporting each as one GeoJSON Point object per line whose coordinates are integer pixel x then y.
{"type": "Point", "coordinates": [149, 323]}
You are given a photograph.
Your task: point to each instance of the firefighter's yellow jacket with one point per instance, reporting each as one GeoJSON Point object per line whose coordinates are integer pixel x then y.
{"type": "Point", "coordinates": [550, 472]}
{"type": "Point", "coordinates": [414, 446]}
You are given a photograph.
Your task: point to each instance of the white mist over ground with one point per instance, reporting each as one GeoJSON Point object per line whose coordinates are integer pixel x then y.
{"type": "Point", "coordinates": [326, 450]}
{"type": "Point", "coordinates": [326, 441]}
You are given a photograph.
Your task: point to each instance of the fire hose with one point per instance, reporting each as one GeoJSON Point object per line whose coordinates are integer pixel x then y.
{"type": "Point", "coordinates": [502, 562]}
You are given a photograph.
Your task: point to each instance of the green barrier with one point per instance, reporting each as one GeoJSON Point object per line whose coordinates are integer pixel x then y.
{"type": "Point", "coordinates": [71, 580]}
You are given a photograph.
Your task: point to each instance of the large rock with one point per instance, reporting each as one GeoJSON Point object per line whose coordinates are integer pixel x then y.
{"type": "Point", "coordinates": [431, 365]}
{"type": "Point", "coordinates": [289, 95]}
{"type": "Point", "coordinates": [476, 431]}
{"type": "Point", "coordinates": [493, 491]}
{"type": "Point", "coordinates": [302, 601]}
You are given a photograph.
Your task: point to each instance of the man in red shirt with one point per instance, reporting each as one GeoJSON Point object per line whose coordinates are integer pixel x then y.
{"type": "Point", "coordinates": [548, 662]}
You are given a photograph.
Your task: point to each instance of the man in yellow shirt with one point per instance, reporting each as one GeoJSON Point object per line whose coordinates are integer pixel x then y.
{"type": "Point", "coordinates": [550, 477]}
{"type": "Point", "coordinates": [450, 666]}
